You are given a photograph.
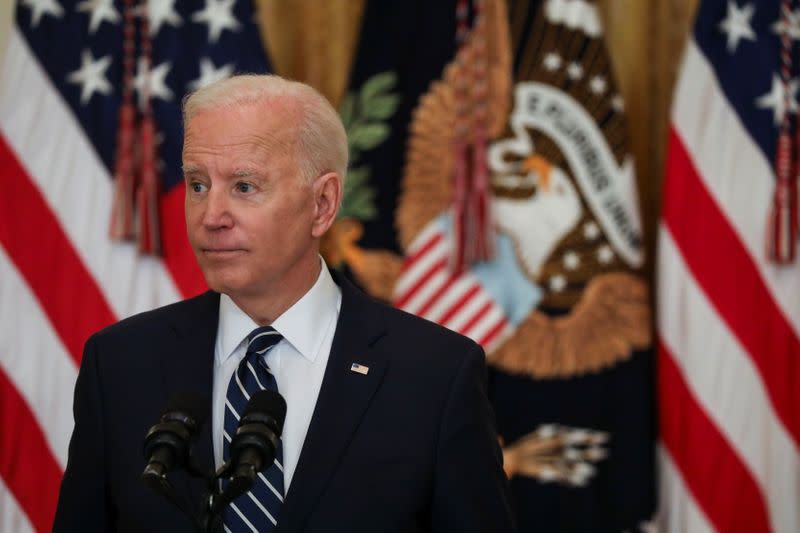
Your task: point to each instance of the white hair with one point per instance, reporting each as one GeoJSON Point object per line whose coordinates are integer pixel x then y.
{"type": "Point", "coordinates": [321, 137]}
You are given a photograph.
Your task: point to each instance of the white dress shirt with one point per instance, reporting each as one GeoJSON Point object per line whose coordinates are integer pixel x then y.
{"type": "Point", "coordinates": [298, 361]}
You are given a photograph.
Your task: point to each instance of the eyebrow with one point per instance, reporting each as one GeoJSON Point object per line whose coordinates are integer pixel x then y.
{"type": "Point", "coordinates": [244, 172]}
{"type": "Point", "coordinates": [190, 169]}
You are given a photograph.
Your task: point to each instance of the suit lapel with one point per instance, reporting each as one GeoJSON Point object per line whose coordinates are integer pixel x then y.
{"type": "Point", "coordinates": [343, 400]}
{"type": "Point", "coordinates": [189, 367]}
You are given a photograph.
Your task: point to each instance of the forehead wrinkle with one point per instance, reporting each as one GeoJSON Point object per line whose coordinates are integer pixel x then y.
{"type": "Point", "coordinates": [276, 137]}
{"type": "Point", "coordinates": [281, 135]}
{"type": "Point", "coordinates": [275, 141]}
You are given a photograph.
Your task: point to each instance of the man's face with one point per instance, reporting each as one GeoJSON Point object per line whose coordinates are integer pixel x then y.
{"type": "Point", "coordinates": [249, 213]}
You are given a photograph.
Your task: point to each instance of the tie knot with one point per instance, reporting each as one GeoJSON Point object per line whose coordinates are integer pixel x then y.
{"type": "Point", "coordinates": [260, 340]}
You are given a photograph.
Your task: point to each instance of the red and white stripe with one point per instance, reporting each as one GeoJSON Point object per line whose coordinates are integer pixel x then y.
{"type": "Point", "coordinates": [61, 279]}
{"type": "Point", "coordinates": [677, 507]}
{"type": "Point", "coordinates": [729, 327]}
{"type": "Point", "coordinates": [427, 288]}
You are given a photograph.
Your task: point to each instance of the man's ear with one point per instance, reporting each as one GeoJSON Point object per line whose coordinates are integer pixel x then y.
{"type": "Point", "coordinates": [327, 198]}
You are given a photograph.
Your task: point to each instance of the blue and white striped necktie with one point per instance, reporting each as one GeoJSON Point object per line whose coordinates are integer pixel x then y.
{"type": "Point", "coordinates": [257, 510]}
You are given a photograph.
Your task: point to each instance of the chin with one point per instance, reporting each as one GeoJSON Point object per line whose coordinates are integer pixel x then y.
{"type": "Point", "coordinates": [226, 283]}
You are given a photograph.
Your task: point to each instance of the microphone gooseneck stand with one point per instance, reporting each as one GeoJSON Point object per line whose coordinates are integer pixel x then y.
{"type": "Point", "coordinates": [214, 500]}
{"type": "Point", "coordinates": [253, 449]}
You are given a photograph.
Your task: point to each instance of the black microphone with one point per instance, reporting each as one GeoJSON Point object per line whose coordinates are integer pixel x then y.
{"type": "Point", "coordinates": [254, 446]}
{"type": "Point", "coordinates": [256, 442]}
{"type": "Point", "coordinates": [166, 446]}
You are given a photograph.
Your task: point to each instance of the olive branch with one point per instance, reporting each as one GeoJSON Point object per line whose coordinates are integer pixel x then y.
{"type": "Point", "coordinates": [365, 115]}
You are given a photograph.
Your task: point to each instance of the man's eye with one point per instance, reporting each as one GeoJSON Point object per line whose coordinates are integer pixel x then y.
{"type": "Point", "coordinates": [244, 187]}
{"type": "Point", "coordinates": [196, 186]}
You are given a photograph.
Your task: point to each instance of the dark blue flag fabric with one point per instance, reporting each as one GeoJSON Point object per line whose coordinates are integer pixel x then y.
{"type": "Point", "coordinates": [573, 385]}
{"type": "Point", "coordinates": [403, 47]}
{"type": "Point", "coordinates": [493, 191]}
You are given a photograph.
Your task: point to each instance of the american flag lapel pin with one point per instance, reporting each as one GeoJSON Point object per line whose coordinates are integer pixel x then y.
{"type": "Point", "coordinates": [361, 369]}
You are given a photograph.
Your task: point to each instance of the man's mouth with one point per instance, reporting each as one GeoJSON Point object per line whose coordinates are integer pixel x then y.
{"type": "Point", "coordinates": [222, 252]}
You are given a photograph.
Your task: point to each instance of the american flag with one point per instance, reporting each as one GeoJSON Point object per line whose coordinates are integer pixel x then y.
{"type": "Point", "coordinates": [457, 300]}
{"type": "Point", "coordinates": [729, 314]}
{"type": "Point", "coordinates": [61, 276]}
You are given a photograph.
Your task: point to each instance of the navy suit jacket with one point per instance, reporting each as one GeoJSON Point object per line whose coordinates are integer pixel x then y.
{"type": "Point", "coordinates": [410, 446]}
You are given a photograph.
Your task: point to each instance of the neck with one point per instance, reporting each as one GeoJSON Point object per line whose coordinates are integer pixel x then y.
{"type": "Point", "coordinates": [266, 306]}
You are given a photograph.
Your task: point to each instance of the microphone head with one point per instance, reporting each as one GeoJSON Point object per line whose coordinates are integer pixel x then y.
{"type": "Point", "coordinates": [166, 445]}
{"type": "Point", "coordinates": [270, 403]}
{"type": "Point", "coordinates": [187, 405]}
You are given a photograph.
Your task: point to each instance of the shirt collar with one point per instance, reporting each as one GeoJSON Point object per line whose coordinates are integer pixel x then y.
{"type": "Point", "coordinates": [303, 325]}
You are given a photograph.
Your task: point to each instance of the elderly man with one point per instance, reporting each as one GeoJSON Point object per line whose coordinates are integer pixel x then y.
{"type": "Point", "coordinates": [388, 425]}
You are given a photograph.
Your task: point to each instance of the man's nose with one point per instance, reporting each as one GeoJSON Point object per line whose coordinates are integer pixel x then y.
{"type": "Point", "coordinates": [217, 213]}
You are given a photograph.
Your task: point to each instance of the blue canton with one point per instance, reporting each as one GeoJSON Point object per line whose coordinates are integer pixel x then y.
{"type": "Point", "coordinates": [742, 41]}
{"type": "Point", "coordinates": [80, 46]}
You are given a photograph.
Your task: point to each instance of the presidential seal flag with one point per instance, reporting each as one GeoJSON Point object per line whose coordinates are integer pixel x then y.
{"type": "Point", "coordinates": [492, 191]}
{"type": "Point", "coordinates": [91, 220]}
{"type": "Point", "coordinates": [519, 225]}
{"type": "Point", "coordinates": [729, 277]}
